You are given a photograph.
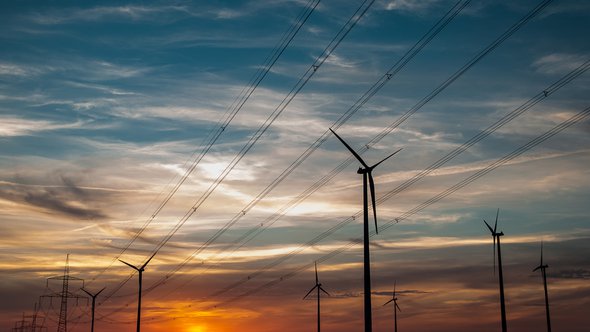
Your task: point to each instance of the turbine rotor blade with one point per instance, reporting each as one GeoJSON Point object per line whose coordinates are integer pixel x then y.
{"type": "Point", "coordinates": [311, 290]}
{"type": "Point", "coordinates": [384, 159]}
{"type": "Point", "coordinates": [100, 291]}
{"type": "Point", "coordinates": [131, 266]}
{"type": "Point", "coordinates": [397, 306]}
{"type": "Point", "coordinates": [394, 282]}
{"type": "Point", "coordinates": [323, 290]}
{"type": "Point", "coordinates": [146, 263]}
{"type": "Point", "coordinates": [350, 149]}
{"type": "Point", "coordinates": [372, 187]}
{"type": "Point", "coordinates": [496, 223]}
{"type": "Point", "coordinates": [316, 273]}
{"type": "Point", "coordinates": [489, 227]}
{"type": "Point", "coordinates": [388, 302]}
{"type": "Point", "coordinates": [541, 254]}
{"type": "Point", "coordinates": [87, 292]}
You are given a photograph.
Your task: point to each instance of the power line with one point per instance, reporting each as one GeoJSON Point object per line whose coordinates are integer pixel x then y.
{"type": "Point", "coordinates": [457, 151]}
{"type": "Point", "coordinates": [512, 155]}
{"type": "Point", "coordinates": [381, 82]}
{"type": "Point", "coordinates": [271, 220]}
{"type": "Point", "coordinates": [334, 43]}
{"type": "Point", "coordinates": [231, 113]}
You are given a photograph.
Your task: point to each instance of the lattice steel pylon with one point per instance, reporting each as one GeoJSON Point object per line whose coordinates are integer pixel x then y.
{"type": "Point", "coordinates": [64, 295]}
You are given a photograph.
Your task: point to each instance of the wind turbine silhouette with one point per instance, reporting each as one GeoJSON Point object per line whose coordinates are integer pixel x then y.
{"type": "Point", "coordinates": [395, 307]}
{"type": "Point", "coordinates": [319, 288]}
{"type": "Point", "coordinates": [93, 296]}
{"type": "Point", "coordinates": [496, 236]}
{"type": "Point", "coordinates": [366, 171]}
{"type": "Point", "coordinates": [140, 270]}
{"type": "Point", "coordinates": [542, 267]}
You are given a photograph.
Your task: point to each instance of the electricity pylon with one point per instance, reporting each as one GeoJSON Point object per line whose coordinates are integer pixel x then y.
{"type": "Point", "coordinates": [64, 295]}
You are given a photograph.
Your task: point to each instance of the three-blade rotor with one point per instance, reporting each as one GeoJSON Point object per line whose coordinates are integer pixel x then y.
{"type": "Point", "coordinates": [93, 295]}
{"type": "Point", "coordinates": [495, 235]}
{"type": "Point", "coordinates": [366, 169]}
{"type": "Point", "coordinates": [317, 284]}
{"type": "Point", "coordinates": [138, 269]}
{"type": "Point", "coordinates": [393, 299]}
{"type": "Point", "coordinates": [541, 266]}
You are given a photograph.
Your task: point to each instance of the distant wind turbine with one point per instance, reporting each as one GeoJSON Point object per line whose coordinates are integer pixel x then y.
{"type": "Point", "coordinates": [542, 267]}
{"type": "Point", "coordinates": [140, 270]}
{"type": "Point", "coordinates": [496, 236]}
{"type": "Point", "coordinates": [93, 296]}
{"type": "Point", "coordinates": [395, 307]}
{"type": "Point", "coordinates": [319, 288]}
{"type": "Point", "coordinates": [366, 171]}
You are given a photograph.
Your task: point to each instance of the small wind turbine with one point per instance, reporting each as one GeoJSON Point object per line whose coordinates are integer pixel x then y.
{"type": "Point", "coordinates": [366, 171]}
{"type": "Point", "coordinates": [395, 307]}
{"type": "Point", "coordinates": [496, 236]}
{"type": "Point", "coordinates": [93, 296]}
{"type": "Point", "coordinates": [140, 270]}
{"type": "Point", "coordinates": [542, 267]}
{"type": "Point", "coordinates": [319, 288]}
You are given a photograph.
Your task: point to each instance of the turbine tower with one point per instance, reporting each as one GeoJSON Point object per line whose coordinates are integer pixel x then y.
{"type": "Point", "coordinates": [140, 270]}
{"type": "Point", "coordinates": [366, 171]}
{"type": "Point", "coordinates": [542, 267]}
{"type": "Point", "coordinates": [93, 296]}
{"type": "Point", "coordinates": [319, 288]}
{"type": "Point", "coordinates": [396, 307]}
{"type": "Point", "coordinates": [496, 236]}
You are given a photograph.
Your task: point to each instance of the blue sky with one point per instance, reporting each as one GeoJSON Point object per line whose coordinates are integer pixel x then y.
{"type": "Point", "coordinates": [103, 107]}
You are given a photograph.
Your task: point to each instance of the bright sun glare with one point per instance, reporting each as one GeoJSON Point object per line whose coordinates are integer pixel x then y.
{"type": "Point", "coordinates": [196, 329]}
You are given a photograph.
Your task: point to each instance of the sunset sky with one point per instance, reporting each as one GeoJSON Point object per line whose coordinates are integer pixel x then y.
{"type": "Point", "coordinates": [122, 135]}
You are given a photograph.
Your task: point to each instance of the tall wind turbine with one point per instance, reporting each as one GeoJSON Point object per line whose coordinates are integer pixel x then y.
{"type": "Point", "coordinates": [395, 307]}
{"type": "Point", "coordinates": [319, 288]}
{"type": "Point", "coordinates": [496, 236]}
{"type": "Point", "coordinates": [366, 171]}
{"type": "Point", "coordinates": [93, 296]}
{"type": "Point", "coordinates": [542, 267]}
{"type": "Point", "coordinates": [140, 270]}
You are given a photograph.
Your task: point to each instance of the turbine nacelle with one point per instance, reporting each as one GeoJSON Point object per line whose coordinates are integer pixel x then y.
{"type": "Point", "coordinates": [540, 267]}
{"type": "Point", "coordinates": [318, 284]}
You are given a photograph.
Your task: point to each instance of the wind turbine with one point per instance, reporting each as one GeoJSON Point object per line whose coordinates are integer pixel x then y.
{"type": "Point", "coordinates": [542, 267]}
{"type": "Point", "coordinates": [496, 236]}
{"type": "Point", "coordinates": [366, 171]}
{"type": "Point", "coordinates": [319, 288]}
{"type": "Point", "coordinates": [93, 296]}
{"type": "Point", "coordinates": [140, 270]}
{"type": "Point", "coordinates": [395, 307]}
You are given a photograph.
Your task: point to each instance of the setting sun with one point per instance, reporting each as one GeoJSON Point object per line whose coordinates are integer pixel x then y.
{"type": "Point", "coordinates": [198, 328]}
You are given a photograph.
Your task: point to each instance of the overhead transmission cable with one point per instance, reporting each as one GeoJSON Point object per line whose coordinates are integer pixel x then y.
{"type": "Point", "coordinates": [381, 82]}
{"type": "Point", "coordinates": [334, 43]}
{"type": "Point", "coordinates": [512, 155]}
{"type": "Point", "coordinates": [271, 220]}
{"type": "Point", "coordinates": [436, 165]}
{"type": "Point", "coordinates": [422, 102]}
{"type": "Point", "coordinates": [231, 113]}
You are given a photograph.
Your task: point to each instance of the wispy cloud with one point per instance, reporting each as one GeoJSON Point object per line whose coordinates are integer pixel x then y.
{"type": "Point", "coordinates": [13, 126]}
{"type": "Point", "coordinates": [20, 70]}
{"type": "Point", "coordinates": [68, 200]}
{"type": "Point", "coordinates": [410, 5]}
{"type": "Point", "coordinates": [105, 12]}
{"type": "Point", "coordinates": [558, 63]}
